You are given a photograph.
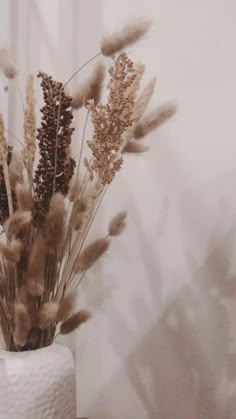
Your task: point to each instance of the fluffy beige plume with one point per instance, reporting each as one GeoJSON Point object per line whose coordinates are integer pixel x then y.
{"type": "Point", "coordinates": [128, 35]}
{"type": "Point", "coordinates": [24, 197]}
{"type": "Point", "coordinates": [90, 89]}
{"type": "Point", "coordinates": [55, 221]}
{"type": "Point", "coordinates": [47, 314]}
{"type": "Point", "coordinates": [17, 221]}
{"type": "Point", "coordinates": [35, 286]}
{"type": "Point", "coordinates": [30, 126]}
{"type": "Point", "coordinates": [12, 251]}
{"type": "Point", "coordinates": [74, 321]}
{"type": "Point", "coordinates": [16, 168]}
{"type": "Point", "coordinates": [143, 100]}
{"type": "Point", "coordinates": [117, 224]}
{"type": "Point", "coordinates": [22, 324]}
{"type": "Point", "coordinates": [134, 147]}
{"type": "Point", "coordinates": [91, 254]}
{"type": "Point", "coordinates": [36, 265]}
{"type": "Point", "coordinates": [66, 306]}
{"type": "Point", "coordinates": [154, 120]}
{"type": "Point", "coordinates": [7, 64]}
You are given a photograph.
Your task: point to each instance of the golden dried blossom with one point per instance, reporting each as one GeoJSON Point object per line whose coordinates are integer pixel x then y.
{"type": "Point", "coordinates": [112, 120]}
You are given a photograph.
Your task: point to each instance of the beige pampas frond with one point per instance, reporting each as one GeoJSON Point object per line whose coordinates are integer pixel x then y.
{"type": "Point", "coordinates": [30, 126]}
{"type": "Point", "coordinates": [154, 120]}
{"type": "Point", "coordinates": [55, 221]}
{"type": "Point", "coordinates": [24, 197]}
{"type": "Point", "coordinates": [66, 306]}
{"type": "Point", "coordinates": [17, 221]}
{"type": "Point", "coordinates": [91, 254]}
{"type": "Point", "coordinates": [47, 314]}
{"type": "Point", "coordinates": [128, 35]}
{"type": "Point", "coordinates": [134, 147]}
{"type": "Point", "coordinates": [12, 251]}
{"type": "Point", "coordinates": [7, 64]}
{"type": "Point", "coordinates": [16, 168]}
{"type": "Point", "coordinates": [117, 224]}
{"type": "Point", "coordinates": [74, 321]}
{"type": "Point", "coordinates": [22, 324]}
{"type": "Point", "coordinates": [90, 89]}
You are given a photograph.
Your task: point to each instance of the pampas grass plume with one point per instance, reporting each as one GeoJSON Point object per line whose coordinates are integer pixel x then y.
{"type": "Point", "coordinates": [47, 314]}
{"type": "Point", "coordinates": [154, 120]}
{"type": "Point", "coordinates": [74, 321]}
{"type": "Point", "coordinates": [91, 254]}
{"type": "Point", "coordinates": [22, 324]}
{"type": "Point", "coordinates": [128, 35]}
{"type": "Point", "coordinates": [91, 89]}
{"type": "Point", "coordinates": [66, 306]}
{"type": "Point", "coordinates": [7, 64]}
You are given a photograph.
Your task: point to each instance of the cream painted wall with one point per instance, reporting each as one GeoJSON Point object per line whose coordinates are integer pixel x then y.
{"type": "Point", "coordinates": [161, 342]}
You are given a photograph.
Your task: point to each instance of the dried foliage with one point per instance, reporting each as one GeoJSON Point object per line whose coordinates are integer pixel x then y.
{"type": "Point", "coordinates": [47, 208]}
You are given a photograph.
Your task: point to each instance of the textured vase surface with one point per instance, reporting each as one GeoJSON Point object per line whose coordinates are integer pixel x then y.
{"type": "Point", "coordinates": [38, 384]}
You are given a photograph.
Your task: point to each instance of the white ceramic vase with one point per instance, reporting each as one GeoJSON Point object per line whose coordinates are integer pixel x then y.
{"type": "Point", "coordinates": [38, 384]}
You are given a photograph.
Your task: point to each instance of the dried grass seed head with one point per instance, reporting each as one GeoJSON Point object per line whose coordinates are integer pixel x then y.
{"type": "Point", "coordinates": [7, 64]}
{"type": "Point", "coordinates": [12, 251]}
{"type": "Point", "coordinates": [74, 321]}
{"type": "Point", "coordinates": [128, 35]}
{"type": "Point", "coordinates": [66, 306]}
{"type": "Point", "coordinates": [17, 221]}
{"type": "Point", "coordinates": [91, 254]}
{"type": "Point", "coordinates": [154, 119]}
{"type": "Point", "coordinates": [117, 224]}
{"type": "Point", "coordinates": [47, 314]}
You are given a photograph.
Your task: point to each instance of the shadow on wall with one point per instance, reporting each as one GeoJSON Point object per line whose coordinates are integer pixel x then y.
{"type": "Point", "coordinates": [185, 366]}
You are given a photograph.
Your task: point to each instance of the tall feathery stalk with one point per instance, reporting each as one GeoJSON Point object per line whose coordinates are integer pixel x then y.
{"type": "Point", "coordinates": [46, 219]}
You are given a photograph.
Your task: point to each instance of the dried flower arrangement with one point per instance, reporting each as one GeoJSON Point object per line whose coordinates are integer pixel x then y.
{"type": "Point", "coordinates": [47, 207]}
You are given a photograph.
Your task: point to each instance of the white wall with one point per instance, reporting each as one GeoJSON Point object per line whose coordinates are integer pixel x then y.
{"type": "Point", "coordinates": [161, 344]}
